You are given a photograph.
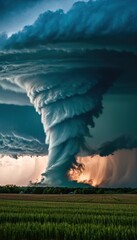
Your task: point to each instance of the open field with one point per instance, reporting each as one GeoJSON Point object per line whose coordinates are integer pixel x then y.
{"type": "Point", "coordinates": [66, 217]}
{"type": "Point", "coordinates": [74, 198]}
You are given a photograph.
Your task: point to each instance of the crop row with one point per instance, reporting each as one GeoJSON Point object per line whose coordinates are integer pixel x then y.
{"type": "Point", "coordinates": [36, 220]}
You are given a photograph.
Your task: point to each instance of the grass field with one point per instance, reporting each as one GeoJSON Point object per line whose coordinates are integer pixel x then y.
{"type": "Point", "coordinates": [66, 217]}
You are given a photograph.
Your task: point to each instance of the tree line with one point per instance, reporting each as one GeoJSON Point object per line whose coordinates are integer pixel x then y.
{"type": "Point", "coordinates": [64, 190]}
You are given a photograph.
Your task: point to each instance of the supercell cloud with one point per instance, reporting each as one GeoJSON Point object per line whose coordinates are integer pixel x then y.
{"type": "Point", "coordinates": [99, 22]}
{"type": "Point", "coordinates": [63, 65]}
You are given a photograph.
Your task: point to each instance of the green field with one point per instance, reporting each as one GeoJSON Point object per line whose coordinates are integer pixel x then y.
{"type": "Point", "coordinates": [78, 217]}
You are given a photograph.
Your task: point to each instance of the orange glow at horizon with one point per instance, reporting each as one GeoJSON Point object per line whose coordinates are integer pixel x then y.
{"type": "Point", "coordinates": [90, 170]}
{"type": "Point", "coordinates": [22, 170]}
{"type": "Point", "coordinates": [111, 171]}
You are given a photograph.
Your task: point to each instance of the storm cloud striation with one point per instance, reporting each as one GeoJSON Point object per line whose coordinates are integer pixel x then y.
{"type": "Point", "coordinates": [67, 102]}
{"type": "Point", "coordinates": [65, 63]}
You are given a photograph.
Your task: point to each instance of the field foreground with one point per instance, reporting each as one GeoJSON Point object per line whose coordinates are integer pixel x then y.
{"type": "Point", "coordinates": [66, 217]}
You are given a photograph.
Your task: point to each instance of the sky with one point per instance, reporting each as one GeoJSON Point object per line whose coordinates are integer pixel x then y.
{"type": "Point", "coordinates": [18, 13]}
{"type": "Point", "coordinates": [68, 92]}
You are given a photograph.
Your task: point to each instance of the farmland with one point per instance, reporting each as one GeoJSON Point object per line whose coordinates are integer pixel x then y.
{"type": "Point", "coordinates": [68, 217]}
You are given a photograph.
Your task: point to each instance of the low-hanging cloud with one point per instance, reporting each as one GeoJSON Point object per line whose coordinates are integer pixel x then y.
{"type": "Point", "coordinates": [123, 142]}
{"type": "Point", "coordinates": [109, 148]}
{"type": "Point", "coordinates": [16, 145]}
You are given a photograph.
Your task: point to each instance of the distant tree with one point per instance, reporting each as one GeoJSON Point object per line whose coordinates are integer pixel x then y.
{"type": "Point", "coordinates": [56, 191]}
{"type": "Point", "coordinates": [50, 190]}
{"type": "Point", "coordinates": [100, 191]}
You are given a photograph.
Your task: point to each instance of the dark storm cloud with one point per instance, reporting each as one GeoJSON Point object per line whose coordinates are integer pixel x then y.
{"type": "Point", "coordinates": [66, 82]}
{"type": "Point", "coordinates": [67, 100]}
{"type": "Point", "coordinates": [38, 63]}
{"type": "Point", "coordinates": [110, 147]}
{"type": "Point", "coordinates": [9, 92]}
{"type": "Point", "coordinates": [66, 88]}
{"type": "Point", "coordinates": [99, 22]}
{"type": "Point", "coordinates": [123, 142]}
{"type": "Point", "coordinates": [13, 144]}
{"type": "Point", "coordinates": [18, 13]}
